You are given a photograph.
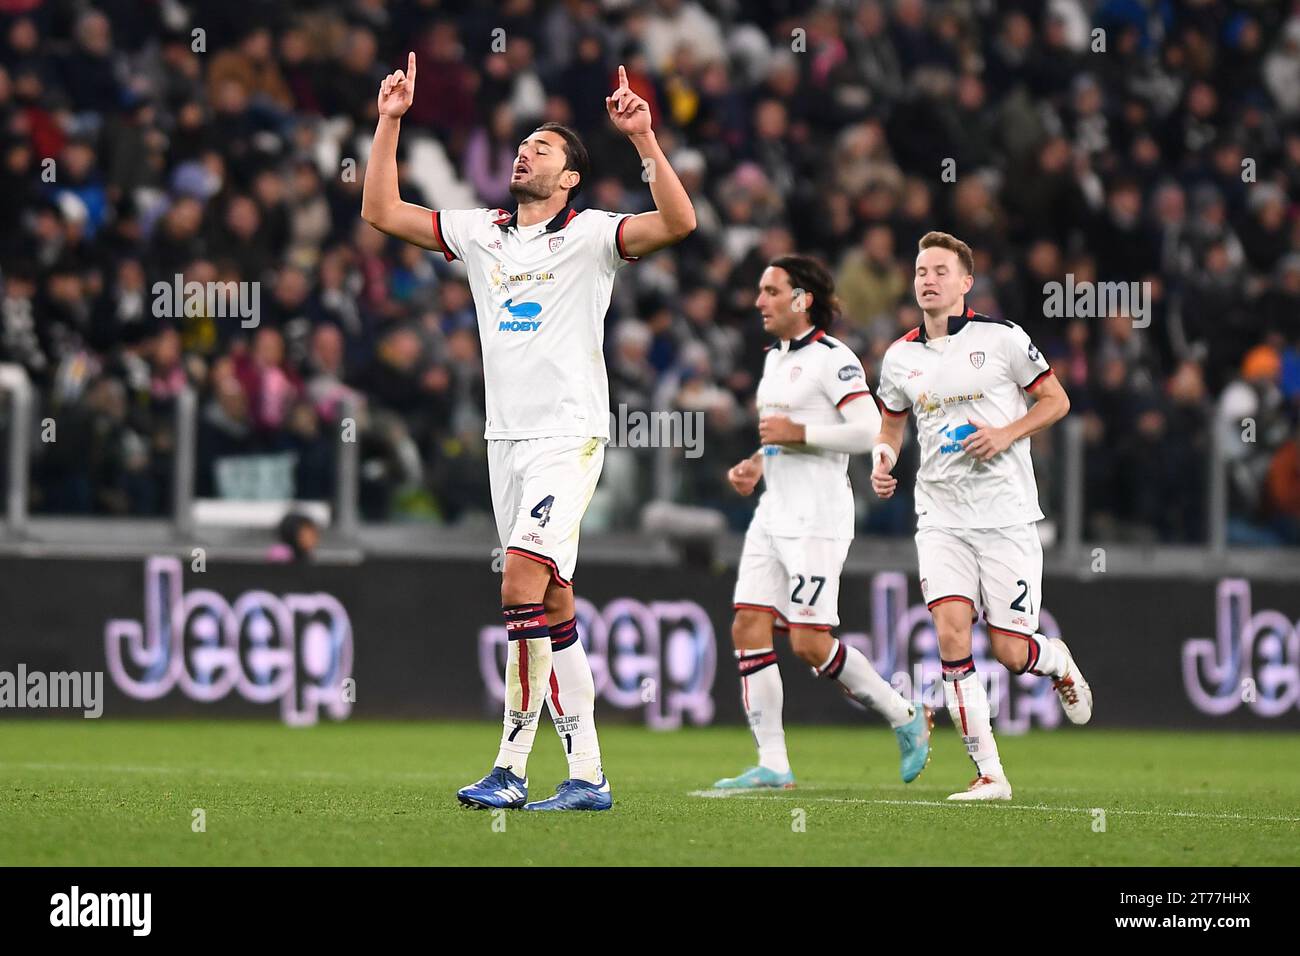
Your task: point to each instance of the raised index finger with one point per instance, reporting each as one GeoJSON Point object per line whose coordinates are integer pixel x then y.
{"type": "Point", "coordinates": [410, 66]}
{"type": "Point", "coordinates": [622, 77]}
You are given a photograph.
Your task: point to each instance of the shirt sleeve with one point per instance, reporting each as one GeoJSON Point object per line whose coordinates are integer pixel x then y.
{"type": "Point", "coordinates": [609, 233]}
{"type": "Point", "coordinates": [844, 379]}
{"type": "Point", "coordinates": [452, 228]}
{"type": "Point", "coordinates": [893, 400]}
{"type": "Point", "coordinates": [1025, 362]}
{"type": "Point", "coordinates": [854, 435]}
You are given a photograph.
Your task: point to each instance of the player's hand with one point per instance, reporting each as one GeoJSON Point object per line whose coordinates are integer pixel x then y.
{"type": "Point", "coordinates": [628, 112]}
{"type": "Point", "coordinates": [780, 430]}
{"type": "Point", "coordinates": [744, 476]}
{"type": "Point", "coordinates": [397, 92]}
{"type": "Point", "coordinates": [882, 482]}
{"type": "Point", "coordinates": [987, 440]}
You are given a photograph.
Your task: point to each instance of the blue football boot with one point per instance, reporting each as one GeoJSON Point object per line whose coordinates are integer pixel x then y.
{"type": "Point", "coordinates": [500, 789]}
{"type": "Point", "coordinates": [574, 794]}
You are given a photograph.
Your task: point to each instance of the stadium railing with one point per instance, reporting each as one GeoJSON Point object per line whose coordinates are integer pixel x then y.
{"type": "Point", "coordinates": [346, 537]}
{"type": "Point", "coordinates": [15, 385]}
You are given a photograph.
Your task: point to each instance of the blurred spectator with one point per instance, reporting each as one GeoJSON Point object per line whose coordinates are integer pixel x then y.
{"type": "Point", "coordinates": [870, 281]}
{"type": "Point", "coordinates": [252, 67]}
{"type": "Point", "coordinates": [490, 157]}
{"type": "Point", "coordinates": [1282, 490]}
{"type": "Point", "coordinates": [1251, 421]}
{"type": "Point", "coordinates": [127, 159]}
{"type": "Point", "coordinates": [299, 537]}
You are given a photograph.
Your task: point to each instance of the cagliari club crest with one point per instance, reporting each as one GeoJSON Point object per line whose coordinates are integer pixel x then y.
{"type": "Point", "coordinates": [556, 242]}
{"type": "Point", "coordinates": [977, 359]}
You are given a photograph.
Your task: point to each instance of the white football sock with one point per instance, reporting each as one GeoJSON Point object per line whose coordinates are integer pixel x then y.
{"type": "Point", "coordinates": [763, 695]}
{"type": "Point", "coordinates": [528, 672]}
{"type": "Point", "coordinates": [968, 705]}
{"type": "Point", "coordinates": [854, 672]}
{"type": "Point", "coordinates": [1051, 660]}
{"type": "Point", "coordinates": [571, 699]}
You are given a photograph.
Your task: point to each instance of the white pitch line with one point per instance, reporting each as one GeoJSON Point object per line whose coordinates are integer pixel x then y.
{"type": "Point", "coordinates": [946, 804]}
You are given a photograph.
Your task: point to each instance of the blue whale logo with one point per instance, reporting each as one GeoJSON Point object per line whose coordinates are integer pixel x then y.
{"type": "Point", "coordinates": [524, 310]}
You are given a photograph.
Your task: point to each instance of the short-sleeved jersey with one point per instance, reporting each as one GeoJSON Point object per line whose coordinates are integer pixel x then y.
{"type": "Point", "coordinates": [981, 370]}
{"type": "Point", "coordinates": [806, 490]}
{"type": "Point", "coordinates": [541, 294]}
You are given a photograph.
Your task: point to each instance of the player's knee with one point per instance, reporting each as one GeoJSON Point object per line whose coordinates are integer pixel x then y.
{"type": "Point", "coordinates": [954, 641]}
{"type": "Point", "coordinates": [1011, 652]}
{"type": "Point", "coordinates": [750, 630]}
{"type": "Point", "coordinates": [809, 648]}
{"type": "Point", "coordinates": [520, 588]}
{"type": "Point", "coordinates": [558, 601]}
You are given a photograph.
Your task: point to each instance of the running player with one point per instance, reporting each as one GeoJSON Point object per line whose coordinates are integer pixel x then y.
{"type": "Point", "coordinates": [541, 278]}
{"type": "Point", "coordinates": [814, 411]}
{"type": "Point", "coordinates": [965, 376]}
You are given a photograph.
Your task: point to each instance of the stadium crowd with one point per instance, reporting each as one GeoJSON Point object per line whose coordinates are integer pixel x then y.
{"type": "Point", "coordinates": [226, 142]}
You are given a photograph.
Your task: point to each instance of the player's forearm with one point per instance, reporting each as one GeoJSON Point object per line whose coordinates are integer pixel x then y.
{"type": "Point", "coordinates": [381, 201]}
{"type": "Point", "coordinates": [851, 437]}
{"type": "Point", "coordinates": [891, 433]}
{"type": "Point", "coordinates": [854, 435]}
{"type": "Point", "coordinates": [1046, 412]}
{"type": "Point", "coordinates": [670, 196]}
{"type": "Point", "coordinates": [379, 192]}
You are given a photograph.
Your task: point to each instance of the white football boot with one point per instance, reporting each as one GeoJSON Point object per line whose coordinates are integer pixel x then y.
{"type": "Point", "coordinates": [985, 787]}
{"type": "Point", "coordinates": [1075, 694]}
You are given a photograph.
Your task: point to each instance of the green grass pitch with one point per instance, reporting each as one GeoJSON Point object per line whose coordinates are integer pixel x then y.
{"type": "Point", "coordinates": [124, 793]}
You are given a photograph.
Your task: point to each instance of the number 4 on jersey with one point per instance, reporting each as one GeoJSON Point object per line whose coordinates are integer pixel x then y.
{"type": "Point", "coordinates": [542, 510]}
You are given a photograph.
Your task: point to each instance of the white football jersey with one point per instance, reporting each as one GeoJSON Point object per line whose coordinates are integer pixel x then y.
{"type": "Point", "coordinates": [806, 490]}
{"type": "Point", "coordinates": [980, 370]}
{"type": "Point", "coordinates": [541, 293]}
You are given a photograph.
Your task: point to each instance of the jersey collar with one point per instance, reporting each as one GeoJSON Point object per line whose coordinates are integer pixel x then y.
{"type": "Point", "coordinates": [808, 338]}
{"type": "Point", "coordinates": [558, 222]}
{"type": "Point", "coordinates": [955, 323]}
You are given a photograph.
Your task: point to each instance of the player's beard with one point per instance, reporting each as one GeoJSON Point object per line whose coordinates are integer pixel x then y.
{"type": "Point", "coordinates": [535, 190]}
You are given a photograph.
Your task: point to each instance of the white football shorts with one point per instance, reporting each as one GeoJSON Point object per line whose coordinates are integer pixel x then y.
{"type": "Point", "coordinates": [540, 490]}
{"type": "Point", "coordinates": [796, 580]}
{"type": "Point", "coordinates": [998, 570]}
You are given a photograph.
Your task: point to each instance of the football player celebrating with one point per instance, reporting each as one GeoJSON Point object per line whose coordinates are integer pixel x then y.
{"type": "Point", "coordinates": [541, 279]}
{"type": "Point", "coordinates": [814, 411]}
{"type": "Point", "coordinates": [965, 376]}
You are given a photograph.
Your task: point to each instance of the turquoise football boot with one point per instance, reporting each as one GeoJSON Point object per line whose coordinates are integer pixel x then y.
{"type": "Point", "coordinates": [757, 778]}
{"type": "Point", "coordinates": [914, 743]}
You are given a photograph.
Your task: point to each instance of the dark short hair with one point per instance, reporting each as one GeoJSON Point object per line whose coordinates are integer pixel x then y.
{"type": "Point", "coordinates": [809, 274]}
{"type": "Point", "coordinates": [943, 240]}
{"type": "Point", "coordinates": [575, 153]}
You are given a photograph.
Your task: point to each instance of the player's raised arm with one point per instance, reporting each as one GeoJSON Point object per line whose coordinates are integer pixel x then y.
{"type": "Point", "coordinates": [674, 216]}
{"type": "Point", "coordinates": [381, 204]}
